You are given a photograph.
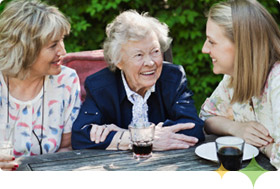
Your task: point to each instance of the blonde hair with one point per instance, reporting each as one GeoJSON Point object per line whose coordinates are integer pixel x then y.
{"type": "Point", "coordinates": [256, 37]}
{"type": "Point", "coordinates": [25, 27]}
{"type": "Point", "coordinates": [130, 25]}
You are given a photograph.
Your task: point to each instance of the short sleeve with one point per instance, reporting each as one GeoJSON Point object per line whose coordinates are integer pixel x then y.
{"type": "Point", "coordinates": [218, 104]}
{"type": "Point", "coordinates": [74, 102]}
{"type": "Point", "coordinates": [274, 91]}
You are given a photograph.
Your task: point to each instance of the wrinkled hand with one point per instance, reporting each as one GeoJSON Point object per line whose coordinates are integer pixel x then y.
{"type": "Point", "coordinates": [253, 133]}
{"type": "Point", "coordinates": [98, 133]}
{"type": "Point", "coordinates": [166, 138]}
{"type": "Point", "coordinates": [7, 163]}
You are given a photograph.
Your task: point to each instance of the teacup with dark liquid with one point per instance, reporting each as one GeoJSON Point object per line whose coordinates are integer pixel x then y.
{"type": "Point", "coordinates": [230, 152]}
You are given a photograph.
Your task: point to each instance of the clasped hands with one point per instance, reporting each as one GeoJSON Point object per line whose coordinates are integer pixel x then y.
{"type": "Point", "coordinates": [255, 134]}
{"type": "Point", "coordinates": [166, 138]}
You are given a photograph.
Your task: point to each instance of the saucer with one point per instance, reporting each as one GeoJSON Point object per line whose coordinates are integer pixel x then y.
{"type": "Point", "coordinates": [208, 151]}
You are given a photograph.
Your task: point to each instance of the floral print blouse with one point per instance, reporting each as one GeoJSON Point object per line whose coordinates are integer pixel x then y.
{"type": "Point", "coordinates": [265, 110]}
{"type": "Point", "coordinates": [61, 107]}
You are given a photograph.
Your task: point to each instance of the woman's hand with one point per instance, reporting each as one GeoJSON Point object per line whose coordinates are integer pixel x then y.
{"type": "Point", "coordinates": [7, 163]}
{"type": "Point", "coordinates": [98, 133]}
{"type": "Point", "coordinates": [166, 138]}
{"type": "Point", "coordinates": [267, 150]}
{"type": "Point", "coordinates": [253, 133]}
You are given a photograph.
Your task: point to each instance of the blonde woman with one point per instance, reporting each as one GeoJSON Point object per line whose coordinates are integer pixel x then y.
{"type": "Point", "coordinates": [243, 41]}
{"type": "Point", "coordinates": [39, 97]}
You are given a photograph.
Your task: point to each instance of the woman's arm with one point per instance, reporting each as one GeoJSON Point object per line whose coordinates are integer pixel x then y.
{"type": "Point", "coordinates": [179, 103]}
{"type": "Point", "coordinates": [65, 143]}
{"type": "Point", "coordinates": [273, 150]}
{"type": "Point", "coordinates": [252, 132]}
{"type": "Point", "coordinates": [120, 141]}
{"type": "Point", "coordinates": [71, 109]}
{"type": "Point", "coordinates": [168, 138]}
{"type": "Point", "coordinates": [219, 119]}
{"type": "Point", "coordinates": [88, 122]}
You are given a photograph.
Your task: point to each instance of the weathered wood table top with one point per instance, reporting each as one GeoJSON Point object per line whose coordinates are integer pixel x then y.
{"type": "Point", "coordinates": [102, 160]}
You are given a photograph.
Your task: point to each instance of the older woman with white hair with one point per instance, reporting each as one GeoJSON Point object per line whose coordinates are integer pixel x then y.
{"type": "Point", "coordinates": [138, 85]}
{"type": "Point", "coordinates": [39, 98]}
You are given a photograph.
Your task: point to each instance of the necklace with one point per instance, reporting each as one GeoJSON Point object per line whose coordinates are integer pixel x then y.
{"type": "Point", "coordinates": [43, 103]}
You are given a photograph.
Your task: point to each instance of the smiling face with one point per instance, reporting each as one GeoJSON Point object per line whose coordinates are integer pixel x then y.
{"type": "Point", "coordinates": [220, 49]}
{"type": "Point", "coordinates": [48, 61]}
{"type": "Point", "coordinates": [141, 63]}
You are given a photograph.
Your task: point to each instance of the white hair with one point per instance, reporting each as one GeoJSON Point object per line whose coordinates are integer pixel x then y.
{"type": "Point", "coordinates": [130, 25]}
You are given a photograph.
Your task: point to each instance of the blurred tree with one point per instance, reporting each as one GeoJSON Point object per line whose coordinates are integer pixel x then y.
{"type": "Point", "coordinates": [185, 19]}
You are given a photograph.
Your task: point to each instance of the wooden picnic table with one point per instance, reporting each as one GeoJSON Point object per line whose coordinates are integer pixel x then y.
{"type": "Point", "coordinates": [103, 160]}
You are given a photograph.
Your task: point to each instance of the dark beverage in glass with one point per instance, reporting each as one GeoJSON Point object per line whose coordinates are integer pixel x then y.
{"type": "Point", "coordinates": [230, 152]}
{"type": "Point", "coordinates": [142, 137]}
{"type": "Point", "coordinates": [142, 149]}
{"type": "Point", "coordinates": [230, 158]}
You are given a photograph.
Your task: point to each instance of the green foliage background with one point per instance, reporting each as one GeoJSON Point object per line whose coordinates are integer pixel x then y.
{"type": "Point", "coordinates": [185, 19]}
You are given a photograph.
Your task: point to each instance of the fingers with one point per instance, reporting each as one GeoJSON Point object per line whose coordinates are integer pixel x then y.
{"type": "Point", "coordinates": [188, 139]}
{"type": "Point", "coordinates": [257, 135]}
{"type": "Point", "coordinates": [261, 128]}
{"type": "Point", "coordinates": [166, 138]}
{"type": "Point", "coordinates": [159, 125]}
{"type": "Point", "coordinates": [256, 141]}
{"type": "Point", "coordinates": [177, 146]}
{"type": "Point", "coordinates": [99, 133]}
{"type": "Point", "coordinates": [173, 146]}
{"type": "Point", "coordinates": [4, 157]}
{"type": "Point", "coordinates": [105, 133]}
{"type": "Point", "coordinates": [7, 163]}
{"type": "Point", "coordinates": [8, 166]}
{"type": "Point", "coordinates": [254, 133]}
{"type": "Point", "coordinates": [162, 144]}
{"type": "Point", "coordinates": [170, 141]}
{"type": "Point", "coordinates": [263, 133]}
{"type": "Point", "coordinates": [181, 126]}
{"type": "Point", "coordinates": [107, 129]}
{"type": "Point", "coordinates": [93, 132]}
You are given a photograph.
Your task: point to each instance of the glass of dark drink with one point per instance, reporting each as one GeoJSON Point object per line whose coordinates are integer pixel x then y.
{"type": "Point", "coordinates": [142, 137]}
{"type": "Point", "coordinates": [230, 152]}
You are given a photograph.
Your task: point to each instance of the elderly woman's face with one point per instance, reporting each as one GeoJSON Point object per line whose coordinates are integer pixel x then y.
{"type": "Point", "coordinates": [141, 63]}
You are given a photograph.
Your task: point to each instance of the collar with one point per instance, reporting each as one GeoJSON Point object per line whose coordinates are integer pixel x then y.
{"type": "Point", "coordinates": [131, 93]}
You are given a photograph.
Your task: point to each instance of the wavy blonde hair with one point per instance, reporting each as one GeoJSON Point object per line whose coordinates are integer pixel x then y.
{"type": "Point", "coordinates": [130, 25]}
{"type": "Point", "coordinates": [25, 27]}
{"type": "Point", "coordinates": [256, 37]}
